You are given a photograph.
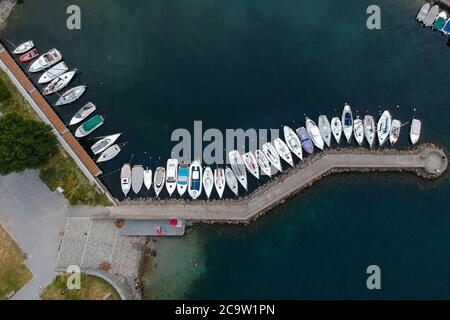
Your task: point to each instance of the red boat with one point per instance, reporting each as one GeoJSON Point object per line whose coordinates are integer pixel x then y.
{"type": "Point", "coordinates": [30, 55]}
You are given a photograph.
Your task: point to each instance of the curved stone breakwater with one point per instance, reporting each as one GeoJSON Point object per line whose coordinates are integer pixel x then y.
{"type": "Point", "coordinates": [427, 161]}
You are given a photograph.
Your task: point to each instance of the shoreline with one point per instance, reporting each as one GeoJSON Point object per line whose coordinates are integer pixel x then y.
{"type": "Point", "coordinates": [6, 7]}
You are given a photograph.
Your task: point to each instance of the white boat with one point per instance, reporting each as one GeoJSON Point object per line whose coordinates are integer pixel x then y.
{"type": "Point", "coordinates": [110, 153]}
{"type": "Point", "coordinates": [71, 95]}
{"type": "Point", "coordinates": [219, 181]}
{"type": "Point", "coordinates": [89, 126]}
{"type": "Point", "coordinates": [171, 175]}
{"type": "Point", "coordinates": [414, 133]}
{"type": "Point", "coordinates": [293, 142]}
{"type": "Point", "coordinates": [314, 133]}
{"type": "Point", "coordinates": [137, 178]}
{"type": "Point", "coordinates": [325, 129]}
{"type": "Point", "coordinates": [159, 178]}
{"type": "Point", "coordinates": [59, 83]}
{"type": "Point", "coordinates": [195, 180]}
{"type": "Point", "coordinates": [283, 151]}
{"type": "Point", "coordinates": [369, 130]}
{"type": "Point", "coordinates": [423, 12]}
{"type": "Point", "coordinates": [148, 177]}
{"type": "Point", "coordinates": [125, 178]}
{"type": "Point", "coordinates": [384, 127]}
{"type": "Point", "coordinates": [358, 130]}
{"type": "Point", "coordinates": [46, 60]}
{"type": "Point", "coordinates": [238, 166]}
{"type": "Point", "coordinates": [336, 129]}
{"type": "Point", "coordinates": [251, 164]}
{"type": "Point", "coordinates": [263, 162]}
{"type": "Point", "coordinates": [183, 178]}
{"type": "Point", "coordinates": [272, 155]}
{"type": "Point", "coordinates": [24, 47]}
{"type": "Point", "coordinates": [53, 72]}
{"type": "Point", "coordinates": [395, 131]}
{"type": "Point", "coordinates": [231, 181]}
{"type": "Point", "coordinates": [347, 122]}
{"type": "Point", "coordinates": [208, 181]}
{"type": "Point", "coordinates": [104, 143]}
{"type": "Point", "coordinates": [431, 16]}
{"type": "Point", "coordinates": [83, 113]}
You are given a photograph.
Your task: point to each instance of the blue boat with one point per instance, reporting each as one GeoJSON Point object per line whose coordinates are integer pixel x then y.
{"type": "Point", "coordinates": [446, 28]}
{"type": "Point", "coordinates": [306, 141]}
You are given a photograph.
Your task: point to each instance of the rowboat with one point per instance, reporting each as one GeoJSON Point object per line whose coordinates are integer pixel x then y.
{"type": "Point", "coordinates": [251, 164]}
{"type": "Point", "coordinates": [171, 175]}
{"type": "Point", "coordinates": [384, 127]}
{"type": "Point", "coordinates": [423, 12]}
{"type": "Point", "coordinates": [336, 129]}
{"type": "Point", "coordinates": [24, 47]}
{"type": "Point", "coordinates": [307, 144]}
{"type": "Point", "coordinates": [414, 133]}
{"type": "Point", "coordinates": [283, 151]}
{"type": "Point", "coordinates": [53, 72]}
{"type": "Point", "coordinates": [148, 178]}
{"type": "Point", "coordinates": [395, 131]}
{"type": "Point", "coordinates": [272, 155]}
{"type": "Point", "coordinates": [314, 133]}
{"type": "Point", "coordinates": [59, 83]}
{"type": "Point", "coordinates": [446, 28]}
{"type": "Point", "coordinates": [358, 130]}
{"type": "Point", "coordinates": [83, 113]}
{"type": "Point", "coordinates": [137, 178]}
{"type": "Point", "coordinates": [231, 181]}
{"type": "Point", "coordinates": [195, 180]}
{"type": "Point", "coordinates": [263, 163]}
{"type": "Point", "coordinates": [431, 16]}
{"type": "Point", "coordinates": [30, 55]}
{"type": "Point", "coordinates": [238, 166]}
{"type": "Point", "coordinates": [104, 143]}
{"type": "Point", "coordinates": [219, 181]}
{"type": "Point", "coordinates": [89, 126]}
{"type": "Point", "coordinates": [347, 122]}
{"type": "Point", "coordinates": [440, 21]}
{"type": "Point", "coordinates": [325, 129]}
{"type": "Point", "coordinates": [158, 183]}
{"type": "Point", "coordinates": [369, 130]}
{"type": "Point", "coordinates": [293, 142]}
{"type": "Point", "coordinates": [110, 153]}
{"type": "Point", "coordinates": [46, 60]}
{"type": "Point", "coordinates": [125, 178]}
{"type": "Point", "coordinates": [183, 178]}
{"type": "Point", "coordinates": [71, 95]}
{"type": "Point", "coordinates": [208, 181]}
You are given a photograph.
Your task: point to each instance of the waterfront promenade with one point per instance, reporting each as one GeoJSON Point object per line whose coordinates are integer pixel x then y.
{"type": "Point", "coordinates": [426, 161]}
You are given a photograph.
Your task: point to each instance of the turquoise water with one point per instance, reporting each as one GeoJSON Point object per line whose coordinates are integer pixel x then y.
{"type": "Point", "coordinates": [155, 66]}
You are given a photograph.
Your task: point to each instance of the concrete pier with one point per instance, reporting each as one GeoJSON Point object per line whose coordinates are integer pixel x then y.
{"type": "Point", "coordinates": [427, 161]}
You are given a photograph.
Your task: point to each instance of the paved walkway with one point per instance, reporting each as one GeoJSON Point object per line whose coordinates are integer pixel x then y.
{"type": "Point", "coordinates": [34, 216]}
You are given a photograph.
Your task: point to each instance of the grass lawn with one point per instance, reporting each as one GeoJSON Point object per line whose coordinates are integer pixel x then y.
{"type": "Point", "coordinates": [14, 274]}
{"type": "Point", "coordinates": [61, 171]}
{"type": "Point", "coordinates": [92, 288]}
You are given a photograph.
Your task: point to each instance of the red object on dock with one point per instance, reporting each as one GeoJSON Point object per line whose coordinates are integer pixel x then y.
{"type": "Point", "coordinates": [173, 222]}
{"type": "Point", "coordinates": [30, 55]}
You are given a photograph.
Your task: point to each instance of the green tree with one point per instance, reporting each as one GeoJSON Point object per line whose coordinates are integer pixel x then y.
{"type": "Point", "coordinates": [24, 143]}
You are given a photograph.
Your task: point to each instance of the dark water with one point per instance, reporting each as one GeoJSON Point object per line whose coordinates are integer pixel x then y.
{"type": "Point", "coordinates": [154, 66]}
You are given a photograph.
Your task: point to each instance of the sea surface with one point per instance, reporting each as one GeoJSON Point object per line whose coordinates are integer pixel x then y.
{"type": "Point", "coordinates": [155, 66]}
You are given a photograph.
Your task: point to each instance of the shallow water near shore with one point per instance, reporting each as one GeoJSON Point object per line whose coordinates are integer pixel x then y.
{"type": "Point", "coordinates": [159, 65]}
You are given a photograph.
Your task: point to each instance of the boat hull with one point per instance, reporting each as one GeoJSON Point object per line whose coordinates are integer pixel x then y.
{"type": "Point", "coordinates": [219, 181]}
{"type": "Point", "coordinates": [293, 142]}
{"type": "Point", "coordinates": [336, 129]}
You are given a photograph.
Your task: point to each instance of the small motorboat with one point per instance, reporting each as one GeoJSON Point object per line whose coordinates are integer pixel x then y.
{"type": "Point", "coordinates": [414, 133]}
{"type": "Point", "coordinates": [24, 47]}
{"type": "Point", "coordinates": [293, 142]}
{"type": "Point", "coordinates": [238, 166]}
{"type": "Point", "coordinates": [171, 175]}
{"type": "Point", "coordinates": [83, 113]}
{"type": "Point", "coordinates": [263, 163]}
{"type": "Point", "coordinates": [283, 151]}
{"type": "Point", "coordinates": [46, 61]}
{"type": "Point", "coordinates": [384, 127]}
{"type": "Point", "coordinates": [71, 95]}
{"type": "Point", "coordinates": [219, 181]}
{"type": "Point", "coordinates": [183, 178]}
{"type": "Point", "coordinates": [358, 130]}
{"type": "Point", "coordinates": [369, 130]}
{"type": "Point", "coordinates": [314, 133]}
{"type": "Point", "coordinates": [89, 126]}
{"type": "Point", "coordinates": [104, 143]}
{"type": "Point", "coordinates": [53, 72]}
{"type": "Point", "coordinates": [395, 131]}
{"type": "Point", "coordinates": [251, 164]}
{"type": "Point", "coordinates": [440, 21]}
{"type": "Point", "coordinates": [336, 129]}
{"type": "Point", "coordinates": [30, 55]}
{"type": "Point", "coordinates": [125, 178]}
{"type": "Point", "coordinates": [160, 177]}
{"type": "Point", "coordinates": [431, 16]}
{"type": "Point", "coordinates": [59, 83]}
{"type": "Point", "coordinates": [325, 129]}
{"type": "Point", "coordinates": [231, 181]}
{"type": "Point", "coordinates": [446, 28]}
{"type": "Point", "coordinates": [307, 144]}
{"type": "Point", "coordinates": [423, 12]}
{"type": "Point", "coordinates": [347, 122]}
{"type": "Point", "coordinates": [208, 181]}
{"type": "Point", "coordinates": [137, 178]}
{"type": "Point", "coordinates": [195, 180]}
{"type": "Point", "coordinates": [272, 155]}
{"type": "Point", "coordinates": [148, 177]}
{"type": "Point", "coordinates": [110, 153]}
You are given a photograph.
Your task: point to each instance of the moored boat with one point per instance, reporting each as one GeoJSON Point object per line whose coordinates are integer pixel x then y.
{"type": "Point", "coordinates": [219, 181]}
{"type": "Point", "coordinates": [272, 155]}
{"type": "Point", "coordinates": [325, 129]}
{"type": "Point", "coordinates": [110, 153]}
{"type": "Point", "coordinates": [384, 127]}
{"type": "Point", "coordinates": [208, 181]}
{"type": "Point", "coordinates": [83, 113]}
{"type": "Point", "coordinates": [171, 175]}
{"type": "Point", "coordinates": [314, 133]}
{"type": "Point", "coordinates": [89, 126]}
{"type": "Point", "coordinates": [195, 180]}
{"type": "Point", "coordinates": [148, 176]}
{"type": "Point", "coordinates": [231, 181]}
{"type": "Point", "coordinates": [125, 178]}
{"type": "Point", "coordinates": [283, 151]}
{"type": "Point", "coordinates": [183, 178]}
{"type": "Point", "coordinates": [46, 60]}
{"type": "Point", "coordinates": [395, 131]}
{"type": "Point", "coordinates": [159, 178]}
{"type": "Point", "coordinates": [59, 83]}
{"type": "Point", "coordinates": [336, 129]}
{"type": "Point", "coordinates": [24, 47]}
{"type": "Point", "coordinates": [369, 130]}
{"type": "Point", "coordinates": [263, 163]}
{"type": "Point", "coordinates": [293, 142]}
{"type": "Point", "coordinates": [238, 166]}
{"type": "Point", "coordinates": [347, 122]}
{"type": "Point", "coordinates": [414, 133]}
{"type": "Point", "coordinates": [358, 130]}
{"type": "Point", "coordinates": [446, 28]}
{"type": "Point", "coordinates": [28, 56]}
{"type": "Point", "coordinates": [137, 178]}
{"type": "Point", "coordinates": [440, 21]}
{"type": "Point", "coordinates": [251, 164]}
{"type": "Point", "coordinates": [423, 12]}
{"type": "Point", "coordinates": [431, 16]}
{"type": "Point", "coordinates": [71, 95]}
{"type": "Point", "coordinates": [53, 72]}
{"type": "Point", "coordinates": [104, 143]}
{"type": "Point", "coordinates": [305, 140]}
